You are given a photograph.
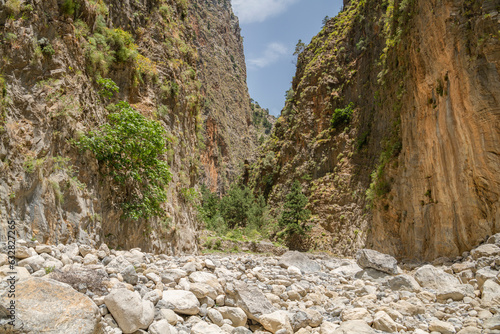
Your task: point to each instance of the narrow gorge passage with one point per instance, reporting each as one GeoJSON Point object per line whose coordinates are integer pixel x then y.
{"type": "Point", "coordinates": [152, 180]}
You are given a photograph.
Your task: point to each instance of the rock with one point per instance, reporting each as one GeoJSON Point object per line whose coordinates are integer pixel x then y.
{"type": "Point", "coordinates": [237, 316]}
{"type": "Point", "coordinates": [357, 313]}
{"type": "Point", "coordinates": [300, 261]}
{"type": "Point", "coordinates": [382, 321]}
{"type": "Point", "coordinates": [117, 265]}
{"type": "Point", "coordinates": [172, 275]}
{"type": "Point", "coordinates": [129, 310]}
{"type": "Point", "coordinates": [494, 239]}
{"type": "Point", "coordinates": [241, 330]}
{"type": "Point", "coordinates": [462, 266]}
{"type": "Point", "coordinates": [328, 327]}
{"type": "Point", "coordinates": [276, 321]}
{"type": "Point", "coordinates": [492, 323]}
{"type": "Point", "coordinates": [159, 327]}
{"type": "Point", "coordinates": [292, 270]}
{"type": "Point", "coordinates": [251, 300]}
{"type": "Point", "coordinates": [4, 259]}
{"type": "Point", "coordinates": [35, 262]}
{"type": "Point", "coordinates": [314, 318]}
{"type": "Point", "coordinates": [170, 316]}
{"type": "Point", "coordinates": [94, 279]}
{"type": "Point", "coordinates": [21, 273]}
{"type": "Point", "coordinates": [130, 275]}
{"type": "Point", "coordinates": [209, 264]}
{"type": "Point", "coordinates": [403, 282]}
{"type": "Point", "coordinates": [347, 270]}
{"type": "Point", "coordinates": [85, 249]}
{"type": "Point", "coordinates": [90, 259]}
{"type": "Point", "coordinates": [202, 290]}
{"type": "Point", "coordinates": [103, 251]}
{"type": "Point", "coordinates": [442, 327]}
{"type": "Point", "coordinates": [47, 306]}
{"type": "Point", "coordinates": [490, 292]}
{"type": "Point", "coordinates": [134, 256]}
{"type": "Point", "coordinates": [206, 278]}
{"type": "Point", "coordinates": [183, 302]}
{"type": "Point", "coordinates": [431, 277]}
{"type": "Point", "coordinates": [216, 317]}
{"type": "Point", "coordinates": [484, 274]}
{"type": "Point", "coordinates": [486, 250]}
{"type": "Point", "coordinates": [22, 252]}
{"type": "Point", "coordinates": [204, 328]}
{"type": "Point", "coordinates": [368, 258]}
{"type": "Point", "coordinates": [456, 293]}
{"type": "Point", "coordinates": [43, 249]}
{"type": "Point", "coordinates": [354, 327]}
{"type": "Point", "coordinates": [470, 330]}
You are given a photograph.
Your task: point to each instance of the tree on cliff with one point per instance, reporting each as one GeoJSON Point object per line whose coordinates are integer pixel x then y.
{"type": "Point", "coordinates": [294, 218]}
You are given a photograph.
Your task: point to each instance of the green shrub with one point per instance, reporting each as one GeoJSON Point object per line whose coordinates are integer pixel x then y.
{"type": "Point", "coordinates": [107, 87]}
{"type": "Point", "coordinates": [294, 218]}
{"type": "Point", "coordinates": [130, 148]}
{"type": "Point", "coordinates": [70, 7]}
{"type": "Point", "coordinates": [123, 44]}
{"type": "Point", "coordinates": [342, 115]}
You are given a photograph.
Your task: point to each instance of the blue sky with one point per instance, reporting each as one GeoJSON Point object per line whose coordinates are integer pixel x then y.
{"type": "Point", "coordinates": [271, 29]}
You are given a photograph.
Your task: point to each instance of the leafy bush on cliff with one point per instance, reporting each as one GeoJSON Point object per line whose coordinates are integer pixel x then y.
{"type": "Point", "coordinates": [130, 149]}
{"type": "Point", "coordinates": [342, 115]}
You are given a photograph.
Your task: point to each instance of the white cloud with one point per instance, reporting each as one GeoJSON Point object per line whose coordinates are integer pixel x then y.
{"type": "Point", "coordinates": [272, 53]}
{"type": "Point", "coordinates": [249, 11]}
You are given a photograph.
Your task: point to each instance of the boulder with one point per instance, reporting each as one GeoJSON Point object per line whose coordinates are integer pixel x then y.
{"type": "Point", "coordinates": [456, 293]}
{"type": "Point", "coordinates": [490, 292]}
{"type": "Point", "coordinates": [251, 300]}
{"type": "Point", "coordinates": [117, 265]}
{"type": "Point", "coordinates": [21, 273]}
{"type": "Point", "coordinates": [368, 258]}
{"type": "Point", "coordinates": [160, 327]}
{"type": "Point", "coordinates": [484, 274]}
{"type": "Point", "coordinates": [130, 275]}
{"type": "Point", "coordinates": [276, 321]}
{"type": "Point", "coordinates": [35, 262]}
{"type": "Point", "coordinates": [486, 250]}
{"type": "Point", "coordinates": [403, 282]}
{"type": "Point", "coordinates": [492, 323]}
{"type": "Point", "coordinates": [382, 321]}
{"type": "Point", "coordinates": [300, 261]}
{"type": "Point", "coordinates": [129, 310]}
{"type": "Point", "coordinates": [442, 327]}
{"type": "Point", "coordinates": [237, 316]}
{"type": "Point", "coordinates": [494, 239]}
{"type": "Point", "coordinates": [216, 317]}
{"type": "Point", "coordinates": [354, 327]}
{"type": "Point", "coordinates": [431, 277]}
{"type": "Point", "coordinates": [47, 306]}
{"type": "Point", "coordinates": [357, 313]}
{"type": "Point", "coordinates": [43, 249]}
{"type": "Point", "coordinates": [204, 328]}
{"type": "Point", "coordinates": [183, 302]}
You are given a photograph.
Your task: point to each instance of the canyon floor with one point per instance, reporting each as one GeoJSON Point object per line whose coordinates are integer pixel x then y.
{"type": "Point", "coordinates": [78, 289]}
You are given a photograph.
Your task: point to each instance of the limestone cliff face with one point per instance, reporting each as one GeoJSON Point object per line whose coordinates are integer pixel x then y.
{"type": "Point", "coordinates": [52, 55]}
{"type": "Point", "coordinates": [445, 195]}
{"type": "Point", "coordinates": [416, 85]}
{"type": "Point", "coordinates": [229, 134]}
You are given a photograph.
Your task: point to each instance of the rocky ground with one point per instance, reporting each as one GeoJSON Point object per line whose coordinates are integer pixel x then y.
{"type": "Point", "coordinates": [77, 289]}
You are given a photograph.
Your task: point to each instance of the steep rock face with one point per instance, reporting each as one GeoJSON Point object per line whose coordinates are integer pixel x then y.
{"type": "Point", "coordinates": [229, 133]}
{"type": "Point", "coordinates": [53, 53]}
{"type": "Point", "coordinates": [413, 86]}
{"type": "Point", "coordinates": [445, 196]}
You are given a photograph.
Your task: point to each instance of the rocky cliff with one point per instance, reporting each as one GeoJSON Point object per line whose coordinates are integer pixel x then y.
{"type": "Point", "coordinates": [158, 53]}
{"type": "Point", "coordinates": [229, 133]}
{"type": "Point", "coordinates": [407, 92]}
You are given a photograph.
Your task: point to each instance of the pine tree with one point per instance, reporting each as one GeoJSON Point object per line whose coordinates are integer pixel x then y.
{"type": "Point", "coordinates": [294, 218]}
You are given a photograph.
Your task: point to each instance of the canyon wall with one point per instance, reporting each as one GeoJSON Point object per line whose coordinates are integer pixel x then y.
{"type": "Point", "coordinates": [392, 126]}
{"type": "Point", "coordinates": [159, 55]}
